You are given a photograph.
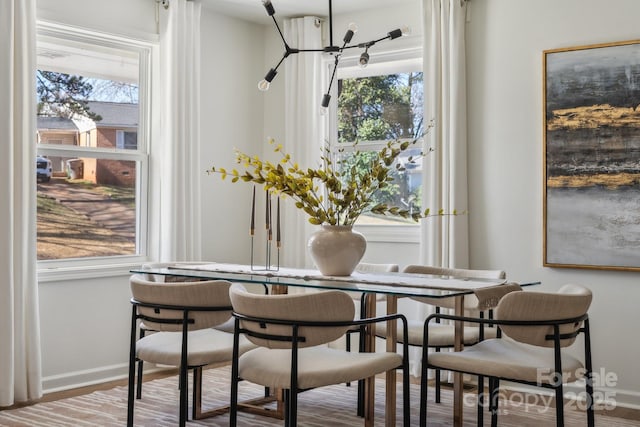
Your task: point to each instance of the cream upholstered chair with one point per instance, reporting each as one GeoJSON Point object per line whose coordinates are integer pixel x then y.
{"type": "Point", "coordinates": [442, 335]}
{"type": "Point", "coordinates": [291, 332]}
{"type": "Point", "coordinates": [538, 326]}
{"type": "Point", "coordinates": [181, 316]}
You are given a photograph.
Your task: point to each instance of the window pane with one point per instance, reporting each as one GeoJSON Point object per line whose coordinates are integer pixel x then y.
{"type": "Point", "coordinates": [89, 160]}
{"type": "Point", "coordinates": [382, 108]}
{"type": "Point", "coordinates": [405, 192]}
{"type": "Point", "coordinates": [80, 218]}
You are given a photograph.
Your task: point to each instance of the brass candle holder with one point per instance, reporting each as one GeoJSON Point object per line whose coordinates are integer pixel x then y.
{"type": "Point", "coordinates": [269, 242]}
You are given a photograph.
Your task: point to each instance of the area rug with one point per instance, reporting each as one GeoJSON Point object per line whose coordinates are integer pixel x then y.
{"type": "Point", "coordinates": [328, 406]}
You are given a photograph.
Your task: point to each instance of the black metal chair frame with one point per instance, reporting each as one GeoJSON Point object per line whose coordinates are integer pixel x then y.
{"type": "Point", "coordinates": [290, 395]}
{"type": "Point", "coordinates": [494, 382]}
{"type": "Point", "coordinates": [360, 409]}
{"type": "Point", "coordinates": [185, 321]}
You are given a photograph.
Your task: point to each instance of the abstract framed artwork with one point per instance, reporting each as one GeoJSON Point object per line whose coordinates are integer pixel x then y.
{"type": "Point", "coordinates": [592, 156]}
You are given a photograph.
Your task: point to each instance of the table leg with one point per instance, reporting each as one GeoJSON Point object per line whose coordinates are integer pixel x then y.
{"type": "Point", "coordinates": [370, 345]}
{"type": "Point", "coordinates": [390, 383]}
{"type": "Point", "coordinates": [457, 377]}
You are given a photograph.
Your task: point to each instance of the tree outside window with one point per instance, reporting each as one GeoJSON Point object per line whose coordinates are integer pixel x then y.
{"type": "Point", "coordinates": [371, 111]}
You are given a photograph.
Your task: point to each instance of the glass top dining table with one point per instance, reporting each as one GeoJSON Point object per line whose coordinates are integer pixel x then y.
{"type": "Point", "coordinates": [393, 285]}
{"type": "Point", "coordinates": [398, 284]}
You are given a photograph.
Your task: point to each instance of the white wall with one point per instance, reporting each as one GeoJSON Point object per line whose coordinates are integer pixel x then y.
{"type": "Point", "coordinates": [135, 18]}
{"type": "Point", "coordinates": [232, 117]}
{"type": "Point", "coordinates": [505, 41]}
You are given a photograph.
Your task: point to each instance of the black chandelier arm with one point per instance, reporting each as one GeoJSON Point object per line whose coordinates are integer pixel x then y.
{"type": "Point", "coordinates": [332, 49]}
{"type": "Point", "coordinates": [327, 96]}
{"type": "Point", "coordinates": [280, 32]}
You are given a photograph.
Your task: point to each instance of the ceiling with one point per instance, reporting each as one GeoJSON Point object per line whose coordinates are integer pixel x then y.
{"type": "Point", "coordinates": [253, 10]}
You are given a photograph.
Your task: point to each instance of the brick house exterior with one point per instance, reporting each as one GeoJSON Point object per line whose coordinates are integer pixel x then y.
{"type": "Point", "coordinates": [117, 129]}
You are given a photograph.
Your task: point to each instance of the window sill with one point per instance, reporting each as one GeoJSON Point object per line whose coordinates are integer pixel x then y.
{"type": "Point", "coordinates": [56, 272]}
{"type": "Point", "coordinates": [390, 234]}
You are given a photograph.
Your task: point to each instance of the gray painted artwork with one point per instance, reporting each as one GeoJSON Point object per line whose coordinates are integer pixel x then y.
{"type": "Point", "coordinates": [592, 157]}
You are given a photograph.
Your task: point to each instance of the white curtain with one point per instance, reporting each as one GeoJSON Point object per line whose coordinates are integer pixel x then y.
{"type": "Point", "coordinates": [304, 129]}
{"type": "Point", "coordinates": [444, 240]}
{"type": "Point", "coordinates": [20, 367]}
{"type": "Point", "coordinates": [176, 168]}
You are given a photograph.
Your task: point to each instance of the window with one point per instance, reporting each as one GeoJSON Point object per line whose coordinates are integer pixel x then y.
{"type": "Point", "coordinates": [92, 126]}
{"type": "Point", "coordinates": [126, 140]}
{"type": "Point", "coordinates": [375, 105]}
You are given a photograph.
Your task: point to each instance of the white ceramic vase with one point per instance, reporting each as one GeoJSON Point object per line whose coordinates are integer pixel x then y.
{"type": "Point", "coordinates": [336, 249]}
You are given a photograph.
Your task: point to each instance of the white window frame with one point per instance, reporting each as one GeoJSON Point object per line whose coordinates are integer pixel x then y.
{"type": "Point", "coordinates": [397, 61]}
{"type": "Point", "coordinates": [92, 267]}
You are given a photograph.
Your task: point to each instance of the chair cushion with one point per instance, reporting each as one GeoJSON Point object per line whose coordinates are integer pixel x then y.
{"type": "Point", "coordinates": [504, 358]}
{"type": "Point", "coordinates": [206, 346]}
{"type": "Point", "coordinates": [440, 335]}
{"type": "Point", "coordinates": [227, 326]}
{"type": "Point", "coordinates": [317, 366]}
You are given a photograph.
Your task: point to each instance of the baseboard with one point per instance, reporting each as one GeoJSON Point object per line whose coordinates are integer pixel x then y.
{"type": "Point", "coordinates": [89, 377]}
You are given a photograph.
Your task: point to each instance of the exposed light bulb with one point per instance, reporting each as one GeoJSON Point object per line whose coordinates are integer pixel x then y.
{"type": "Point", "coordinates": [364, 59]}
{"type": "Point", "coordinates": [325, 100]}
{"type": "Point", "coordinates": [395, 33]}
{"type": "Point", "coordinates": [351, 30]}
{"type": "Point", "coordinates": [263, 85]}
{"type": "Point", "coordinates": [406, 30]}
{"type": "Point", "coordinates": [269, 7]}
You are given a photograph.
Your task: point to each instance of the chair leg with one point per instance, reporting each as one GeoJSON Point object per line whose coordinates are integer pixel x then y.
{"type": "Point", "coordinates": [494, 387]}
{"type": "Point", "coordinates": [293, 408]}
{"type": "Point", "coordinates": [347, 338]}
{"type": "Point", "coordinates": [140, 369]}
{"type": "Point", "coordinates": [360, 398]}
{"type": "Point", "coordinates": [480, 401]}
{"type": "Point", "coordinates": [406, 397]}
{"type": "Point", "coordinates": [287, 406]}
{"type": "Point", "coordinates": [196, 401]}
{"type": "Point", "coordinates": [438, 382]}
{"type": "Point", "coordinates": [361, 336]}
{"type": "Point", "coordinates": [423, 390]}
{"type": "Point", "coordinates": [233, 404]}
{"type": "Point", "coordinates": [437, 385]}
{"type": "Point", "coordinates": [590, 414]}
{"type": "Point", "coordinates": [559, 405]}
{"type": "Point", "coordinates": [130, 394]}
{"type": "Point", "coordinates": [588, 374]}
{"type": "Point", "coordinates": [132, 368]}
{"type": "Point", "coordinates": [184, 389]}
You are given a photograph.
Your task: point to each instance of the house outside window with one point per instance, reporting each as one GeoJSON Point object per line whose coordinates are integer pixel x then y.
{"type": "Point", "coordinates": [93, 125]}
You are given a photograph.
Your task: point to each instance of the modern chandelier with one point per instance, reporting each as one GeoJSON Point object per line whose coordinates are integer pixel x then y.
{"type": "Point", "coordinates": [332, 49]}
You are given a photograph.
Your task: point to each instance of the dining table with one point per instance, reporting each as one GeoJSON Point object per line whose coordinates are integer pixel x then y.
{"type": "Point", "coordinates": [371, 284]}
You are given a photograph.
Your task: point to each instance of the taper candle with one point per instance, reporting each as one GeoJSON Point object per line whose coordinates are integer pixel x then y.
{"type": "Point", "coordinates": [253, 212]}
{"type": "Point", "coordinates": [266, 210]}
{"type": "Point", "coordinates": [278, 223]}
{"type": "Point", "coordinates": [270, 216]}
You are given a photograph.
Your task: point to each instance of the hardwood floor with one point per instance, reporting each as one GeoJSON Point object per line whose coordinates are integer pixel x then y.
{"type": "Point", "coordinates": [623, 413]}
